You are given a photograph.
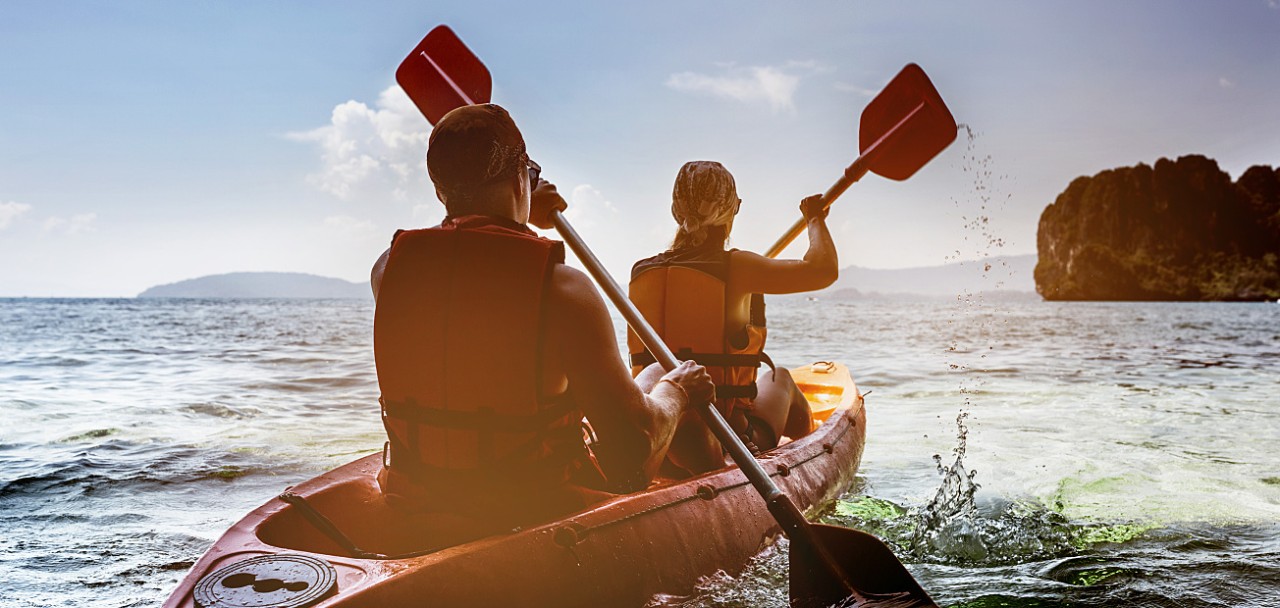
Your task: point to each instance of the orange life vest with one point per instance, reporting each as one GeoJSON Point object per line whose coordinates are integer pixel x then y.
{"type": "Point", "coordinates": [683, 296]}
{"type": "Point", "coordinates": [457, 342]}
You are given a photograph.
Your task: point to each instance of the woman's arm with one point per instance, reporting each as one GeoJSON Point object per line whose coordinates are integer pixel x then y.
{"type": "Point", "coordinates": [754, 273]}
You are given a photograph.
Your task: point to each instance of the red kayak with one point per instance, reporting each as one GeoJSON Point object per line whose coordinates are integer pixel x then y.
{"type": "Point", "coordinates": [620, 552]}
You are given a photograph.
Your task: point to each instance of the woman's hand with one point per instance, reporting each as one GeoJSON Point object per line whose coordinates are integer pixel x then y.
{"type": "Point", "coordinates": [814, 207]}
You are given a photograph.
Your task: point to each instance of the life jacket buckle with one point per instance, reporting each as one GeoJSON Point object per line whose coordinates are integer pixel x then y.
{"type": "Point", "coordinates": [588, 434]}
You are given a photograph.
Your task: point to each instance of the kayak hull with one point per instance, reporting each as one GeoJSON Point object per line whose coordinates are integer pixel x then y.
{"type": "Point", "coordinates": [619, 552]}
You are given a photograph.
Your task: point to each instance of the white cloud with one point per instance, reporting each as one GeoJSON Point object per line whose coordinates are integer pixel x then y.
{"type": "Point", "coordinates": [1226, 83]}
{"type": "Point", "coordinates": [349, 226]}
{"type": "Point", "coordinates": [76, 224]}
{"type": "Point", "coordinates": [10, 211]}
{"type": "Point", "coordinates": [855, 89]}
{"type": "Point", "coordinates": [772, 85]}
{"type": "Point", "coordinates": [373, 154]}
{"type": "Point", "coordinates": [588, 207]}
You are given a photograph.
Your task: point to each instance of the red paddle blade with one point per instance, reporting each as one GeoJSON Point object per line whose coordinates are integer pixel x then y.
{"type": "Point", "coordinates": [928, 129]}
{"type": "Point", "coordinates": [442, 74]}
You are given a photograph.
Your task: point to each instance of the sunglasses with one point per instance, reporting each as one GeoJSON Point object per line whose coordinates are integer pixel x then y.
{"type": "Point", "coordinates": [535, 170]}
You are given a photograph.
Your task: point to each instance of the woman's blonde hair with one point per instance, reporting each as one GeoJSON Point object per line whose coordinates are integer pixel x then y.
{"type": "Point", "coordinates": [704, 198]}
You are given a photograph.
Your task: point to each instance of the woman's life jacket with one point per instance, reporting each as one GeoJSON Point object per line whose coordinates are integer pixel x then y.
{"type": "Point", "coordinates": [457, 341]}
{"type": "Point", "coordinates": [682, 294]}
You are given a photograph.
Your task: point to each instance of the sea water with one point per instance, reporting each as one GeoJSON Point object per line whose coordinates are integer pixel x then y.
{"type": "Point", "coordinates": [1018, 453]}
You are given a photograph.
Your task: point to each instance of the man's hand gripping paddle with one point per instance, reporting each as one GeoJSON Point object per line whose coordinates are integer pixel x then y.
{"type": "Point", "coordinates": [903, 128]}
{"type": "Point", "coordinates": [829, 564]}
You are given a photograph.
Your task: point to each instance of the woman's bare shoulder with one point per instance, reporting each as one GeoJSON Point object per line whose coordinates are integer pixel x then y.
{"type": "Point", "coordinates": [753, 273]}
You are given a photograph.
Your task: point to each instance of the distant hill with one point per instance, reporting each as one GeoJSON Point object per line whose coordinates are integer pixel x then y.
{"type": "Point", "coordinates": [1006, 277]}
{"type": "Point", "coordinates": [1179, 230]}
{"type": "Point", "coordinates": [260, 285]}
{"type": "Point", "coordinates": [1009, 276]}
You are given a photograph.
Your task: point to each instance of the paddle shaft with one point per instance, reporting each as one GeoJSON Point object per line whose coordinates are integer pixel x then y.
{"type": "Point", "coordinates": [852, 173]}
{"type": "Point", "coordinates": [787, 514]}
{"type": "Point", "coordinates": [823, 579]}
{"type": "Point", "coordinates": [793, 522]}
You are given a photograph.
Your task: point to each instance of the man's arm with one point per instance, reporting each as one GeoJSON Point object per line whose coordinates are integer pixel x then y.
{"type": "Point", "coordinates": [754, 273]}
{"type": "Point", "coordinates": [635, 429]}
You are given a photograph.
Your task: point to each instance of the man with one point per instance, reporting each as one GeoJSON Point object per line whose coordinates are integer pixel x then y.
{"type": "Point", "coordinates": [490, 350]}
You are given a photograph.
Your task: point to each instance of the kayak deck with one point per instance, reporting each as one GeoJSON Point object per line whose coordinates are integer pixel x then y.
{"type": "Point", "coordinates": [620, 551]}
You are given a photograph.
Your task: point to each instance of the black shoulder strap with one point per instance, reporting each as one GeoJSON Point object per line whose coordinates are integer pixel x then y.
{"type": "Point", "coordinates": [712, 261]}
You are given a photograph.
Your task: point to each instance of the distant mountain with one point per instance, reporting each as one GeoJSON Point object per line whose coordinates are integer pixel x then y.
{"type": "Point", "coordinates": [1008, 276]}
{"type": "Point", "coordinates": [260, 285]}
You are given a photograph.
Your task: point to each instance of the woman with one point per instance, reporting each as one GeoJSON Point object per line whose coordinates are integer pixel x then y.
{"type": "Point", "coordinates": [707, 304]}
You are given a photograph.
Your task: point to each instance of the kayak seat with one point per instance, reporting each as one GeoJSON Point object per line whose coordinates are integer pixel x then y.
{"type": "Point", "coordinates": [358, 509]}
{"type": "Point", "coordinates": [390, 527]}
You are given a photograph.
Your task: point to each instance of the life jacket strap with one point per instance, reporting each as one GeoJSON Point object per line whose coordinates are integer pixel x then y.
{"type": "Point", "coordinates": [644, 359]}
{"type": "Point", "coordinates": [741, 391]}
{"type": "Point", "coordinates": [512, 466]}
{"type": "Point", "coordinates": [479, 420]}
{"type": "Point", "coordinates": [723, 391]}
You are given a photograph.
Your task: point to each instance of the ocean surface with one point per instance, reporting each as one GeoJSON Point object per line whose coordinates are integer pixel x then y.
{"type": "Point", "coordinates": [1018, 453]}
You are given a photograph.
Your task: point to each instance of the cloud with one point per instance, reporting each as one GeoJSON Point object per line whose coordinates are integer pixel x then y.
{"type": "Point", "coordinates": [588, 207]}
{"type": "Point", "coordinates": [349, 226]}
{"type": "Point", "coordinates": [76, 224]}
{"type": "Point", "coordinates": [1226, 83]}
{"type": "Point", "coordinates": [10, 211]}
{"type": "Point", "coordinates": [372, 154]}
{"type": "Point", "coordinates": [772, 85]}
{"type": "Point", "coordinates": [855, 89]}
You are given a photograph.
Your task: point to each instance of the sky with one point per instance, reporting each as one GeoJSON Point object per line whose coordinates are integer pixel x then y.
{"type": "Point", "coordinates": [144, 143]}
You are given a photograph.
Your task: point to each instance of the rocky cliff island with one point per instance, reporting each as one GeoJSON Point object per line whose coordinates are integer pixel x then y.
{"type": "Point", "coordinates": [1181, 230]}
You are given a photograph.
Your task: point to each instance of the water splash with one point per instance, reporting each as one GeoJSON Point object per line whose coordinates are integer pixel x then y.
{"type": "Point", "coordinates": [956, 528]}
{"type": "Point", "coordinates": [965, 353]}
{"type": "Point", "coordinates": [763, 583]}
{"type": "Point", "coordinates": [947, 524]}
{"type": "Point", "coordinates": [981, 243]}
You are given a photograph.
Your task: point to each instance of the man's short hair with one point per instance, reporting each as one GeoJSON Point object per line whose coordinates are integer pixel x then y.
{"type": "Point", "coordinates": [472, 146]}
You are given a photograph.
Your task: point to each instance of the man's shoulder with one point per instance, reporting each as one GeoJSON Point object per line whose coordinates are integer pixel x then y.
{"type": "Point", "coordinates": [572, 295]}
{"type": "Point", "coordinates": [568, 282]}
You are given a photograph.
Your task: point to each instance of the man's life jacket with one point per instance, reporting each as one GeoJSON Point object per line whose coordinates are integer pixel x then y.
{"type": "Point", "coordinates": [457, 341]}
{"type": "Point", "coordinates": [683, 296]}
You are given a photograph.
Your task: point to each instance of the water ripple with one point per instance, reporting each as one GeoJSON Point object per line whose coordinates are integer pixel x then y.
{"type": "Point", "coordinates": [1121, 447]}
